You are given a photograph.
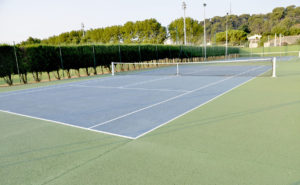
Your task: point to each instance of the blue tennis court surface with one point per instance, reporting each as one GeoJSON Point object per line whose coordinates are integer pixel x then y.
{"type": "Point", "coordinates": [128, 106]}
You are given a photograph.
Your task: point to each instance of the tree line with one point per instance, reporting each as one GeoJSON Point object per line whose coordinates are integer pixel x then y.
{"type": "Point", "coordinates": [285, 21]}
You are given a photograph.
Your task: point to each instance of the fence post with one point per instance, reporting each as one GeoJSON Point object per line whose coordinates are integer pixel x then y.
{"type": "Point", "coordinates": [16, 57]}
{"type": "Point", "coordinates": [140, 55]}
{"type": "Point", "coordinates": [94, 55]}
{"type": "Point", "coordinates": [120, 57]}
{"type": "Point", "coordinates": [61, 61]}
{"type": "Point", "coordinates": [156, 53]}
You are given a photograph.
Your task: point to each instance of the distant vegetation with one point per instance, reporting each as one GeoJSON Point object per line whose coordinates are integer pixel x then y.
{"type": "Point", "coordinates": [141, 32]}
{"type": "Point", "coordinates": [281, 20]}
{"type": "Point", "coordinates": [194, 31]}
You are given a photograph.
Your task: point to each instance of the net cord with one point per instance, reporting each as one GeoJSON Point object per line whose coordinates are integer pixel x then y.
{"type": "Point", "coordinates": [273, 60]}
{"type": "Point", "coordinates": [266, 53]}
{"type": "Point", "coordinates": [209, 62]}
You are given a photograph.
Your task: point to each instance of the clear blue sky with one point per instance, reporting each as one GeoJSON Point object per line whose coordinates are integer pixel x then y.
{"type": "Point", "coordinates": [20, 19]}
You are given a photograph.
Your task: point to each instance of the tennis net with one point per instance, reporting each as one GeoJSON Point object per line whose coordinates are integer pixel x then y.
{"type": "Point", "coordinates": [242, 67]}
{"type": "Point", "coordinates": [270, 54]}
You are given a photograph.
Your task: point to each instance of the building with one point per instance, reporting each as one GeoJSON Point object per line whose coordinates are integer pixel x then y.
{"type": "Point", "coordinates": [285, 40]}
{"type": "Point", "coordinates": [254, 41]}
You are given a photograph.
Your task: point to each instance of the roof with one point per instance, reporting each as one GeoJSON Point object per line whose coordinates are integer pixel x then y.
{"type": "Point", "coordinates": [254, 37]}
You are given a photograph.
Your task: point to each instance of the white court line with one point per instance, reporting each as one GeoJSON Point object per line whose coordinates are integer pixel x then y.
{"type": "Point", "coordinates": [37, 89]}
{"type": "Point", "coordinates": [67, 84]}
{"type": "Point", "coordinates": [101, 79]}
{"type": "Point", "coordinates": [175, 97]}
{"type": "Point", "coordinates": [196, 71]}
{"type": "Point", "coordinates": [108, 133]}
{"type": "Point", "coordinates": [141, 135]}
{"type": "Point", "coordinates": [147, 81]}
{"type": "Point", "coordinates": [66, 124]}
{"type": "Point", "coordinates": [266, 53]}
{"type": "Point", "coordinates": [124, 88]}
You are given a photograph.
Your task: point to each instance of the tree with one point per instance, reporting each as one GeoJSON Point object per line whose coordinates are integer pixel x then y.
{"type": "Point", "coordinates": [280, 20]}
{"type": "Point", "coordinates": [150, 31]}
{"type": "Point", "coordinates": [194, 30]}
{"type": "Point", "coordinates": [278, 14]}
{"type": "Point", "coordinates": [30, 41]}
{"type": "Point", "coordinates": [256, 23]}
{"type": "Point", "coordinates": [234, 36]}
{"type": "Point", "coordinates": [128, 32]}
{"type": "Point", "coordinates": [295, 30]}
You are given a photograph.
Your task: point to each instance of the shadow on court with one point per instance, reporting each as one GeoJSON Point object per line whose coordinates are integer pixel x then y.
{"type": "Point", "coordinates": [216, 119]}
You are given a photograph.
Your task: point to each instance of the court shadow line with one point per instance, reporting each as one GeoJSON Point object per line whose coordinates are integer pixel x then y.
{"type": "Point", "coordinates": [214, 120]}
{"type": "Point", "coordinates": [60, 154]}
{"type": "Point", "coordinates": [51, 148]}
{"type": "Point", "coordinates": [86, 162]}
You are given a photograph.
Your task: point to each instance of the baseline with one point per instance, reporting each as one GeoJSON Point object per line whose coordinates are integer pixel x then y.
{"type": "Point", "coordinates": [65, 124]}
{"type": "Point", "coordinates": [172, 98]}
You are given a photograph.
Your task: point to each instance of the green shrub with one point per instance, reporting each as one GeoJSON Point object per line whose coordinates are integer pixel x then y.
{"type": "Point", "coordinates": [36, 59]}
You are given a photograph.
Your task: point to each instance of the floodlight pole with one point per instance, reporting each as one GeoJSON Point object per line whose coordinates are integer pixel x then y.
{"type": "Point", "coordinates": [82, 28]}
{"type": "Point", "coordinates": [226, 45]}
{"type": "Point", "coordinates": [184, 25]}
{"type": "Point", "coordinates": [204, 41]}
{"type": "Point", "coordinates": [177, 38]}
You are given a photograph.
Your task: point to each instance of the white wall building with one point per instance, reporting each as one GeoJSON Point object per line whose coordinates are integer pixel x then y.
{"type": "Point", "coordinates": [254, 41]}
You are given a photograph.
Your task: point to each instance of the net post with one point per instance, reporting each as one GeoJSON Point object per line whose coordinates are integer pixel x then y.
{"type": "Point", "coordinates": [299, 54]}
{"type": "Point", "coordinates": [274, 67]}
{"type": "Point", "coordinates": [112, 69]}
{"type": "Point", "coordinates": [177, 69]}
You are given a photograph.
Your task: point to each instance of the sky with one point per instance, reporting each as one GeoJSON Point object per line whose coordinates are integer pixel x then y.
{"type": "Point", "coordinates": [20, 19]}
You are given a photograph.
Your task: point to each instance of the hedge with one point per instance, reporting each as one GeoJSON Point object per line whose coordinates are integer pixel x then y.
{"type": "Point", "coordinates": [44, 58]}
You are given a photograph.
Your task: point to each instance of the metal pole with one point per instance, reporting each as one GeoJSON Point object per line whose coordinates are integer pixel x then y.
{"type": "Point", "coordinates": [62, 63]}
{"type": "Point", "coordinates": [82, 28]}
{"type": "Point", "coordinates": [274, 67]}
{"type": "Point", "coordinates": [156, 53]}
{"type": "Point", "coordinates": [204, 41]}
{"type": "Point", "coordinates": [184, 25]}
{"type": "Point", "coordinates": [140, 56]}
{"type": "Point", "coordinates": [16, 57]}
{"type": "Point", "coordinates": [120, 57]}
{"type": "Point", "coordinates": [94, 55]}
{"type": "Point", "coordinates": [226, 45]}
{"type": "Point", "coordinates": [177, 69]}
{"type": "Point", "coordinates": [112, 69]}
{"type": "Point", "coordinates": [176, 36]}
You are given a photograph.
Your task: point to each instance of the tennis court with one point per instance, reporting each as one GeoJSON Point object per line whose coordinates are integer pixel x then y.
{"type": "Point", "coordinates": [129, 105]}
{"type": "Point", "coordinates": [247, 136]}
